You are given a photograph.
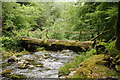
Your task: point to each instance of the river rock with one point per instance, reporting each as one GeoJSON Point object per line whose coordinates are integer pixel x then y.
{"type": "Point", "coordinates": [6, 71]}
{"type": "Point", "coordinates": [45, 56]}
{"type": "Point", "coordinates": [41, 70]}
{"type": "Point", "coordinates": [29, 59]}
{"type": "Point", "coordinates": [72, 72]}
{"type": "Point", "coordinates": [39, 65]}
{"type": "Point", "coordinates": [47, 69]}
{"type": "Point", "coordinates": [64, 77]}
{"type": "Point", "coordinates": [12, 59]}
{"type": "Point", "coordinates": [30, 66]}
{"type": "Point", "coordinates": [23, 64]}
{"type": "Point", "coordinates": [65, 51]}
{"type": "Point", "coordinates": [71, 69]}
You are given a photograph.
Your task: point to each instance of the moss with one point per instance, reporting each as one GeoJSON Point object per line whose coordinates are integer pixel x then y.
{"type": "Point", "coordinates": [5, 64]}
{"type": "Point", "coordinates": [18, 76]}
{"type": "Point", "coordinates": [45, 42]}
{"type": "Point", "coordinates": [35, 63]}
{"type": "Point", "coordinates": [94, 67]}
{"type": "Point", "coordinates": [6, 71]}
{"type": "Point", "coordinates": [49, 41]}
{"type": "Point", "coordinates": [18, 54]}
{"type": "Point", "coordinates": [13, 76]}
{"type": "Point", "coordinates": [25, 52]}
{"type": "Point", "coordinates": [117, 67]}
{"type": "Point", "coordinates": [55, 45]}
{"type": "Point", "coordinates": [40, 49]}
{"type": "Point", "coordinates": [7, 55]}
{"type": "Point", "coordinates": [65, 70]}
{"type": "Point", "coordinates": [31, 40]}
{"type": "Point", "coordinates": [57, 42]}
{"type": "Point", "coordinates": [102, 62]}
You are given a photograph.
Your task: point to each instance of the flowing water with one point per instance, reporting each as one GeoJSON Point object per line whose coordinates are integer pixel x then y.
{"type": "Point", "coordinates": [51, 62]}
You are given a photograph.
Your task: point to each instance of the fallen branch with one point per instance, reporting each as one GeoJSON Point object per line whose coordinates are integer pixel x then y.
{"type": "Point", "coordinates": [93, 39]}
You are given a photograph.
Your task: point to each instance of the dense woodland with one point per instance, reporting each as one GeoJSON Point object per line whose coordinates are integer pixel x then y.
{"type": "Point", "coordinates": [68, 21]}
{"type": "Point", "coordinates": [57, 21]}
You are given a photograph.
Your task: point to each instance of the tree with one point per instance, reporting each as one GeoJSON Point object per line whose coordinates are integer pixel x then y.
{"type": "Point", "coordinates": [118, 29]}
{"type": "Point", "coordinates": [18, 20]}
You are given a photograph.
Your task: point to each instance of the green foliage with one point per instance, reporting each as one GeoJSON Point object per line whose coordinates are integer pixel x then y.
{"type": "Point", "coordinates": [18, 21]}
{"type": "Point", "coordinates": [64, 70]}
{"type": "Point", "coordinates": [51, 20]}
{"type": "Point", "coordinates": [98, 65]}
{"type": "Point", "coordinates": [113, 51]}
{"type": "Point", "coordinates": [41, 49]}
{"type": "Point", "coordinates": [110, 47]}
{"type": "Point", "coordinates": [17, 16]}
{"type": "Point", "coordinates": [92, 18]}
{"type": "Point", "coordinates": [11, 43]}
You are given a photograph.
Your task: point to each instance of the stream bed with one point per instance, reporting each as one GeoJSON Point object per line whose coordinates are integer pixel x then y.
{"type": "Point", "coordinates": [43, 64]}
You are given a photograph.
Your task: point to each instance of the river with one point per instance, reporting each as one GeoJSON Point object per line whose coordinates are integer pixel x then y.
{"type": "Point", "coordinates": [42, 64]}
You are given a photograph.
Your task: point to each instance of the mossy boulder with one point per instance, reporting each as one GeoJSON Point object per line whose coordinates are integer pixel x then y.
{"type": "Point", "coordinates": [12, 59]}
{"type": "Point", "coordinates": [39, 65]}
{"type": "Point", "coordinates": [6, 71]}
{"type": "Point", "coordinates": [12, 76]}
{"type": "Point", "coordinates": [18, 54]}
{"type": "Point", "coordinates": [95, 67]}
{"type": "Point", "coordinates": [23, 64]}
{"type": "Point", "coordinates": [6, 55]}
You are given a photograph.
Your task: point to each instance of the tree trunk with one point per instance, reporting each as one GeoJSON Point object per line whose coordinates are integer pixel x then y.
{"type": "Point", "coordinates": [118, 29]}
{"type": "Point", "coordinates": [50, 44]}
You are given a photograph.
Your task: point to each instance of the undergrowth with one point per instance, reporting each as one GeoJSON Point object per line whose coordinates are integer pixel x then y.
{"type": "Point", "coordinates": [65, 70]}
{"type": "Point", "coordinates": [110, 49]}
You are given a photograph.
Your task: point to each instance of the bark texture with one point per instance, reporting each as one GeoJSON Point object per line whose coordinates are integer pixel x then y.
{"type": "Point", "coordinates": [118, 29]}
{"type": "Point", "coordinates": [51, 44]}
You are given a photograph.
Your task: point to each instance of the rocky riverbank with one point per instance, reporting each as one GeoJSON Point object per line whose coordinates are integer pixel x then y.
{"type": "Point", "coordinates": [41, 64]}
